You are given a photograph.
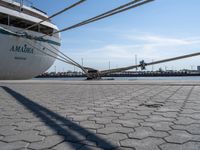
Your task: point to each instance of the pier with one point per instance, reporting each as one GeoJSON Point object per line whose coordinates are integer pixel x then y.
{"type": "Point", "coordinates": [100, 115]}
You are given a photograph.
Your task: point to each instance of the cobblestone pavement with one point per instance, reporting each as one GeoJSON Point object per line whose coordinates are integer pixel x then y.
{"type": "Point", "coordinates": [99, 115]}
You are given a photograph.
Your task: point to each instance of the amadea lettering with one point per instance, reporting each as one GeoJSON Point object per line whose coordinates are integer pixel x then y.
{"type": "Point", "coordinates": [22, 49]}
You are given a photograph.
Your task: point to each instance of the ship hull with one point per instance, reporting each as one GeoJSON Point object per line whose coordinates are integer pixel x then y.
{"type": "Point", "coordinates": [23, 57]}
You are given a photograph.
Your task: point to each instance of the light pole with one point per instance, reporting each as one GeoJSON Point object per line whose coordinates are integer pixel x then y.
{"type": "Point", "coordinates": [136, 62]}
{"type": "Point", "coordinates": [82, 64]}
{"type": "Point", "coordinates": [152, 65]}
{"type": "Point", "coordinates": [55, 68]}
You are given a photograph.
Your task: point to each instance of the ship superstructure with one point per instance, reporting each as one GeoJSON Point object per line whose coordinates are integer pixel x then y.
{"type": "Point", "coordinates": [25, 45]}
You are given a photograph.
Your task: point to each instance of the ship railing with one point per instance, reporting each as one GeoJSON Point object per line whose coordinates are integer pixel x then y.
{"type": "Point", "coordinates": [24, 2]}
{"type": "Point", "coordinates": [27, 3]}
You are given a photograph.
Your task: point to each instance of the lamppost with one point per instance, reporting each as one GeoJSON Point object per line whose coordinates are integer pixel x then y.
{"type": "Point", "coordinates": [82, 61]}
{"type": "Point", "coordinates": [136, 62]}
{"type": "Point", "coordinates": [55, 68]}
{"type": "Point", "coordinates": [152, 65]}
{"type": "Point", "coordinates": [82, 64]}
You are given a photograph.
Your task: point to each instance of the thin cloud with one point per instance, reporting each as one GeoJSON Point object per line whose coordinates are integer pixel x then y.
{"type": "Point", "coordinates": [146, 46]}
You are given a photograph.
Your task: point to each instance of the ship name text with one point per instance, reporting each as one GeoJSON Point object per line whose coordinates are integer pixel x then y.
{"type": "Point", "coordinates": [21, 49]}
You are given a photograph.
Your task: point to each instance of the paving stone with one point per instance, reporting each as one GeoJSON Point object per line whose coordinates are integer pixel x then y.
{"type": "Point", "coordinates": [166, 114]}
{"type": "Point", "coordinates": [128, 123]}
{"type": "Point", "coordinates": [88, 142]}
{"type": "Point", "coordinates": [67, 146]}
{"type": "Point", "coordinates": [186, 121]}
{"type": "Point", "coordinates": [159, 118]}
{"type": "Point", "coordinates": [87, 112]}
{"type": "Point", "coordinates": [76, 117]}
{"type": "Point", "coordinates": [91, 125]}
{"type": "Point", "coordinates": [99, 109]}
{"type": "Point", "coordinates": [13, 146]}
{"type": "Point", "coordinates": [27, 125]}
{"type": "Point", "coordinates": [102, 120]}
{"type": "Point", "coordinates": [108, 114]}
{"type": "Point", "coordinates": [192, 128]}
{"type": "Point", "coordinates": [185, 146]}
{"type": "Point", "coordinates": [112, 140]}
{"type": "Point", "coordinates": [191, 105]}
{"type": "Point", "coordinates": [167, 109]}
{"type": "Point", "coordinates": [142, 113]}
{"type": "Point", "coordinates": [45, 131]}
{"type": "Point", "coordinates": [47, 143]}
{"type": "Point", "coordinates": [189, 111]}
{"type": "Point", "coordinates": [114, 128]}
{"type": "Point", "coordinates": [195, 116]}
{"type": "Point", "coordinates": [29, 136]}
{"type": "Point", "coordinates": [124, 148]}
{"type": "Point", "coordinates": [86, 147]}
{"type": "Point", "coordinates": [8, 122]}
{"type": "Point", "coordinates": [145, 144]}
{"type": "Point", "coordinates": [180, 137]}
{"type": "Point", "coordinates": [158, 126]}
{"type": "Point", "coordinates": [144, 132]}
{"type": "Point", "coordinates": [1, 137]}
{"type": "Point", "coordinates": [99, 115]}
{"type": "Point", "coordinates": [132, 116]}
{"type": "Point", "coordinates": [8, 130]}
{"type": "Point", "coordinates": [120, 110]}
{"type": "Point", "coordinates": [75, 135]}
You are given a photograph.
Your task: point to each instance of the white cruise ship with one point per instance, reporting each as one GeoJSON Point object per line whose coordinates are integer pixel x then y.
{"type": "Point", "coordinates": [25, 52]}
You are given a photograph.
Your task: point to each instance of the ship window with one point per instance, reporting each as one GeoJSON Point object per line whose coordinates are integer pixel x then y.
{"type": "Point", "coordinates": [17, 22]}
{"type": "Point", "coordinates": [3, 19]}
{"type": "Point", "coordinates": [46, 30]}
{"type": "Point", "coordinates": [22, 23]}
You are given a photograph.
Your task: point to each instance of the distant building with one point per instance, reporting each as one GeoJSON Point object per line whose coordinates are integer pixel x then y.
{"type": "Point", "coordinates": [198, 68]}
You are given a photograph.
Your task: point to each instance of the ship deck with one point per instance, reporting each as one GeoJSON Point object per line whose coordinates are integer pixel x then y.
{"type": "Point", "coordinates": [93, 115]}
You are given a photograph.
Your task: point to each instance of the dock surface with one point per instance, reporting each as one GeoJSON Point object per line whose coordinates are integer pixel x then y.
{"type": "Point", "coordinates": [100, 115]}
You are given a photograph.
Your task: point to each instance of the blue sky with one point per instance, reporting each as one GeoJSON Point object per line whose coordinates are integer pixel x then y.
{"type": "Point", "coordinates": [160, 29]}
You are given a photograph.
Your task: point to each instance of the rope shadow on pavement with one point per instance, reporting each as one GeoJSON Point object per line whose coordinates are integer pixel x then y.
{"type": "Point", "coordinates": [56, 122]}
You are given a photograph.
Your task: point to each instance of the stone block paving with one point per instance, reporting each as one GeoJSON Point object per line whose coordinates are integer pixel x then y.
{"type": "Point", "coordinates": [99, 116]}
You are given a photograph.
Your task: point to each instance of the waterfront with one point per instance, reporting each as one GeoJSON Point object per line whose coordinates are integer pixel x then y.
{"type": "Point", "coordinates": [100, 115]}
{"type": "Point", "coordinates": [125, 78]}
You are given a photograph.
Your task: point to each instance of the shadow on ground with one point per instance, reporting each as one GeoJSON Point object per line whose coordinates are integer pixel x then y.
{"type": "Point", "coordinates": [58, 123]}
